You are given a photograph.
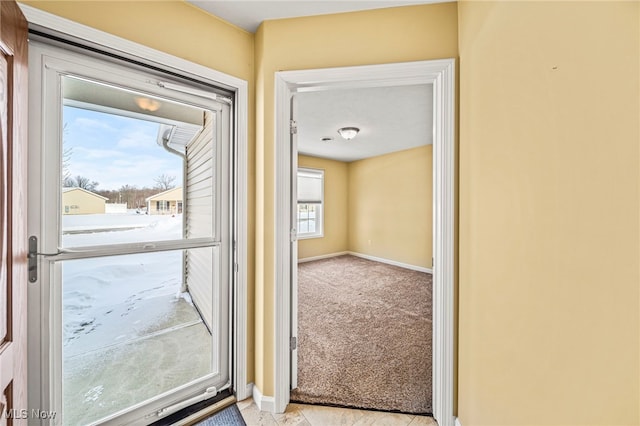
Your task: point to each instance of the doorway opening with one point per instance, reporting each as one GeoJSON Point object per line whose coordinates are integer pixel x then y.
{"type": "Point", "coordinates": [364, 248]}
{"type": "Point", "coordinates": [134, 303]}
{"type": "Point", "coordinates": [440, 74]}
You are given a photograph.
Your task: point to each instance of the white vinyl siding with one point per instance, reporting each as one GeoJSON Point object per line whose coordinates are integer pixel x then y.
{"type": "Point", "coordinates": [199, 182]}
{"type": "Point", "coordinates": [199, 218]}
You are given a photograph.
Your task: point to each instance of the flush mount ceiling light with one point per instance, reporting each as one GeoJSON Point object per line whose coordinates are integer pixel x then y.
{"type": "Point", "coordinates": [348, 132]}
{"type": "Point", "coordinates": [148, 104]}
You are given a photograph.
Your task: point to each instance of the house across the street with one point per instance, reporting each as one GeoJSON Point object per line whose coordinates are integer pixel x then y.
{"type": "Point", "coordinates": [82, 201]}
{"type": "Point", "coordinates": [167, 202]}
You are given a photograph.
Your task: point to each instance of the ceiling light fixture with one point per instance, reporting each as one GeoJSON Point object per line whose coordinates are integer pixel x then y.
{"type": "Point", "coordinates": [348, 132]}
{"type": "Point", "coordinates": [148, 104]}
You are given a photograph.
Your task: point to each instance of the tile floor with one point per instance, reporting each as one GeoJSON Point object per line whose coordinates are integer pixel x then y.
{"type": "Point", "coordinates": [317, 415]}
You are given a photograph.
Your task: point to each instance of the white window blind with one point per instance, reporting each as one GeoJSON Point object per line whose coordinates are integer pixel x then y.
{"type": "Point", "coordinates": [310, 186]}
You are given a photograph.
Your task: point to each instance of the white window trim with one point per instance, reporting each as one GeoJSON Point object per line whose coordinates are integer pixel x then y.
{"type": "Point", "coordinates": [320, 219]}
{"type": "Point", "coordinates": [440, 73]}
{"type": "Point", "coordinates": [48, 22]}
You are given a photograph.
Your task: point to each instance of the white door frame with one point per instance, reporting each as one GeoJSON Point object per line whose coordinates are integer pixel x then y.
{"type": "Point", "coordinates": [73, 30]}
{"type": "Point", "coordinates": [441, 74]}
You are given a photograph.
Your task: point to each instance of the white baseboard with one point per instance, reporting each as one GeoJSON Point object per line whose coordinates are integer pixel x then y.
{"type": "Point", "coordinates": [264, 403]}
{"type": "Point", "coordinates": [392, 262]}
{"type": "Point", "coordinates": [457, 422]}
{"type": "Point", "coordinates": [324, 256]}
{"type": "Point", "coordinates": [245, 392]}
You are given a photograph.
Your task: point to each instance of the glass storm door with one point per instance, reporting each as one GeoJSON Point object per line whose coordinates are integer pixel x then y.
{"type": "Point", "coordinates": [133, 228]}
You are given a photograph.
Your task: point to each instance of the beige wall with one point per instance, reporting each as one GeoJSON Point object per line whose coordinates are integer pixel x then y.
{"type": "Point", "coordinates": [77, 201]}
{"type": "Point", "coordinates": [549, 211]}
{"type": "Point", "coordinates": [380, 36]}
{"type": "Point", "coordinates": [390, 206]}
{"type": "Point", "coordinates": [177, 28]}
{"type": "Point", "coordinates": [335, 208]}
{"type": "Point", "coordinates": [380, 206]}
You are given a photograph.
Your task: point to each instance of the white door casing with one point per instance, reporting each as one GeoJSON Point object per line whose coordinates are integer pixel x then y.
{"type": "Point", "coordinates": [294, 242]}
{"type": "Point", "coordinates": [441, 74]}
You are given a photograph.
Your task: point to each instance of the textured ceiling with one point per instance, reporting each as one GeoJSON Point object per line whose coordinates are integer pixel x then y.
{"type": "Point", "coordinates": [390, 119]}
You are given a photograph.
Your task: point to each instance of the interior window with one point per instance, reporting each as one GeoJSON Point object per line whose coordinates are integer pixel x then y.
{"type": "Point", "coordinates": [310, 203]}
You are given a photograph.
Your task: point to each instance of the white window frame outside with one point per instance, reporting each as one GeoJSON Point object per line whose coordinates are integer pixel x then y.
{"type": "Point", "coordinates": [319, 232]}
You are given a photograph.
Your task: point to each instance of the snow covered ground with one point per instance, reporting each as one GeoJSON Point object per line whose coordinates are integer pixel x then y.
{"type": "Point", "coordinates": [117, 302]}
{"type": "Point", "coordinates": [97, 229]}
{"type": "Point", "coordinates": [93, 289]}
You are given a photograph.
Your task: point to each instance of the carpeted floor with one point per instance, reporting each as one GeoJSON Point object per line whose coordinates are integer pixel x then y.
{"type": "Point", "coordinates": [364, 335]}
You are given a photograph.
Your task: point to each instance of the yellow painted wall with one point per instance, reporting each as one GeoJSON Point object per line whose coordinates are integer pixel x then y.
{"type": "Point", "coordinates": [549, 213]}
{"type": "Point", "coordinates": [390, 206]}
{"type": "Point", "coordinates": [335, 208]}
{"type": "Point", "coordinates": [175, 27]}
{"type": "Point", "coordinates": [77, 201]}
{"type": "Point", "coordinates": [361, 38]}
{"type": "Point", "coordinates": [182, 30]}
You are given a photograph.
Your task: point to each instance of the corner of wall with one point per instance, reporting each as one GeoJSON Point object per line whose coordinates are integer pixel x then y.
{"type": "Point", "coordinates": [264, 403]}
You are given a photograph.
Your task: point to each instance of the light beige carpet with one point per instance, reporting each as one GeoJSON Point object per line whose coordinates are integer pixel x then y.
{"type": "Point", "coordinates": [364, 335]}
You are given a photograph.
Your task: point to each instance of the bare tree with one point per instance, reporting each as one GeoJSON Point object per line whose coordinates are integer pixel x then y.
{"type": "Point", "coordinates": [68, 182]}
{"type": "Point", "coordinates": [82, 182]}
{"type": "Point", "coordinates": [164, 182]}
{"type": "Point", "coordinates": [128, 194]}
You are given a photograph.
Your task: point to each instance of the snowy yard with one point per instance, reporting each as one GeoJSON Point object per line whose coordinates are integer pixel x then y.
{"type": "Point", "coordinates": [96, 229]}
{"type": "Point", "coordinates": [94, 289]}
{"type": "Point", "coordinates": [119, 311]}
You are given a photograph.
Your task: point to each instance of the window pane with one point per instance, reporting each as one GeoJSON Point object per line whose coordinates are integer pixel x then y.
{"type": "Point", "coordinates": [308, 218]}
{"type": "Point", "coordinates": [132, 330]}
{"type": "Point", "coordinates": [310, 199]}
{"type": "Point", "coordinates": [303, 222]}
{"type": "Point", "coordinates": [123, 165]}
{"type": "Point", "coordinates": [311, 218]}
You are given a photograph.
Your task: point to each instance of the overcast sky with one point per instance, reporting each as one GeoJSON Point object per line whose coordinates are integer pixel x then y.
{"type": "Point", "coordinates": [116, 151]}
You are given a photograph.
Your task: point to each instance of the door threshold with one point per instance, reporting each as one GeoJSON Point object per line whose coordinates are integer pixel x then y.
{"type": "Point", "coordinates": [199, 411]}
